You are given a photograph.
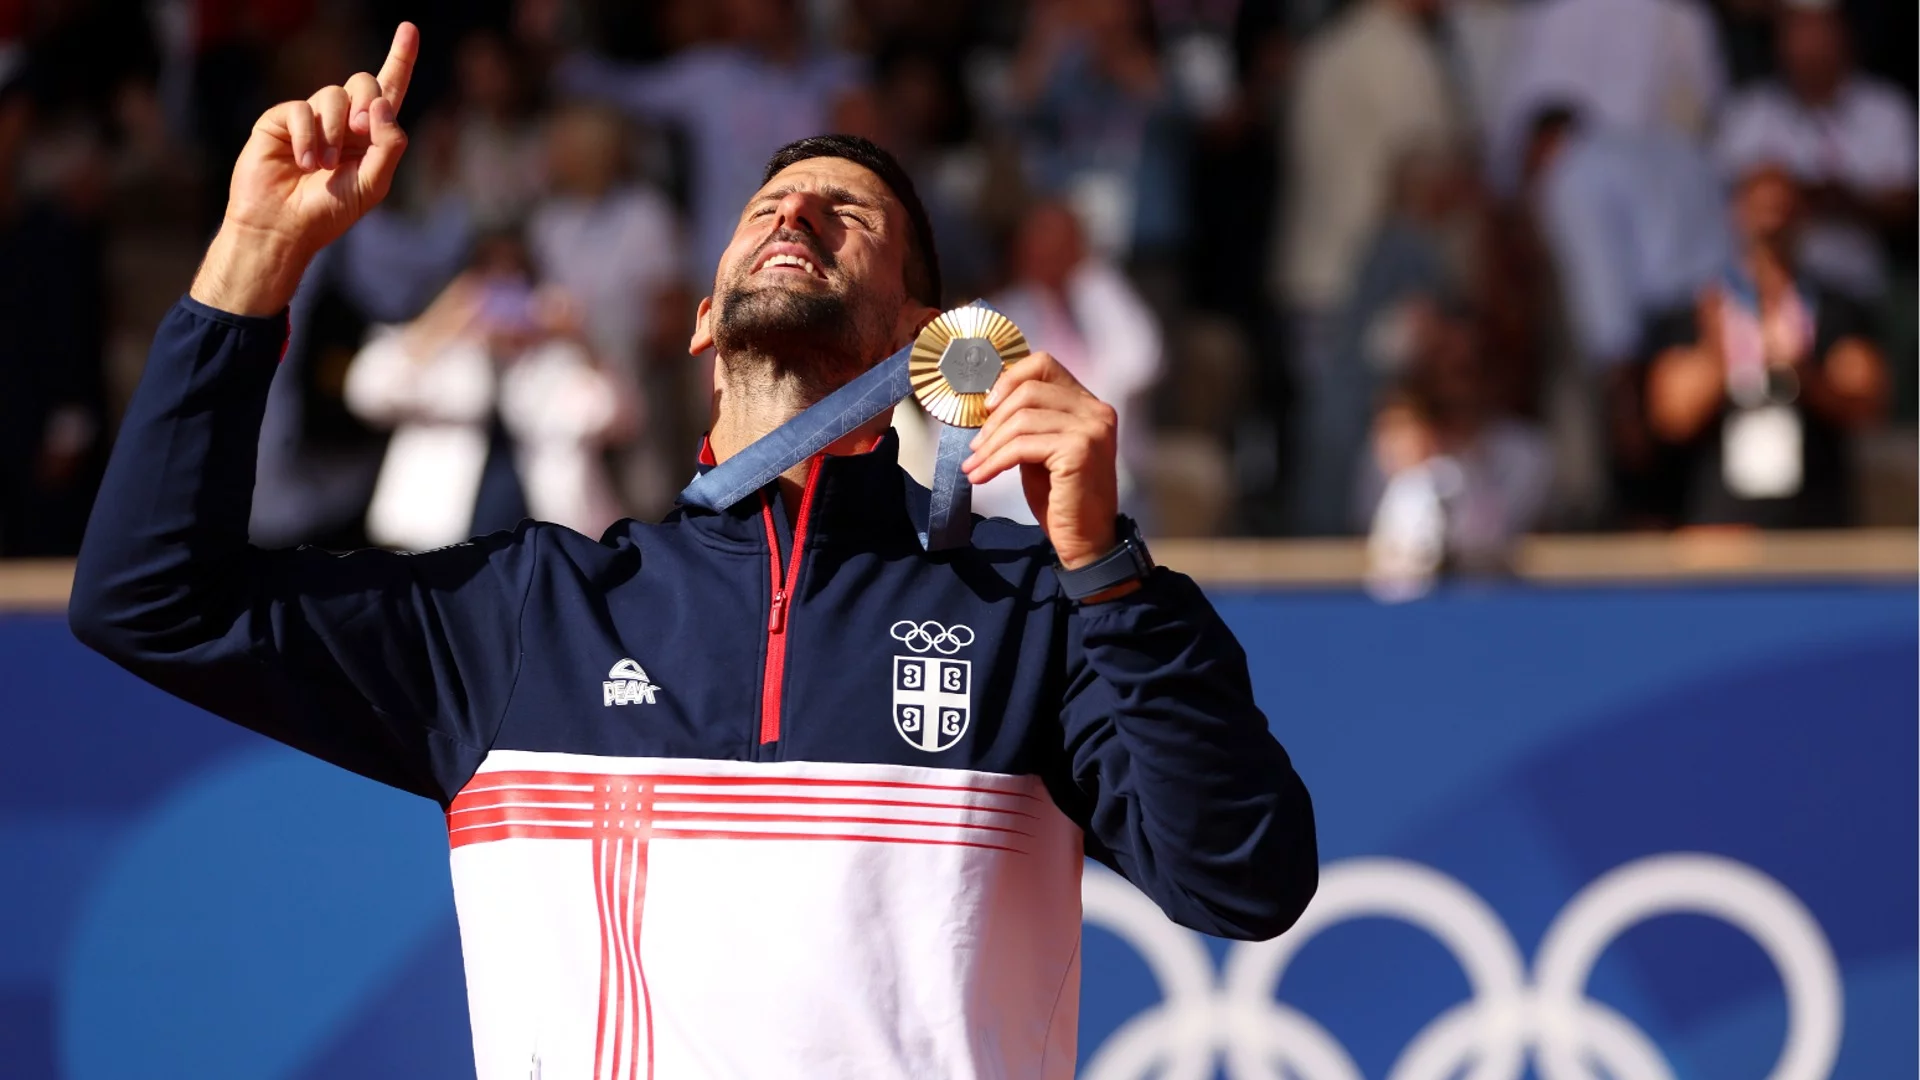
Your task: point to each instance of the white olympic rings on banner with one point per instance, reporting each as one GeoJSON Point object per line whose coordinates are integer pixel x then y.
{"type": "Point", "coordinates": [931, 635]}
{"type": "Point", "coordinates": [1202, 1021]}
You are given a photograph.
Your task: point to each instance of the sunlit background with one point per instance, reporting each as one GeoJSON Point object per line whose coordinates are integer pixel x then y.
{"type": "Point", "coordinates": [1532, 382]}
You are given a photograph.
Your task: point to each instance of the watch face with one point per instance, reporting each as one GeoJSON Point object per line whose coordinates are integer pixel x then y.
{"type": "Point", "coordinates": [1135, 544]}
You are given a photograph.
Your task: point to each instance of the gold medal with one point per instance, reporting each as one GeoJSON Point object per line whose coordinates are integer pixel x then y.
{"type": "Point", "coordinates": [956, 360]}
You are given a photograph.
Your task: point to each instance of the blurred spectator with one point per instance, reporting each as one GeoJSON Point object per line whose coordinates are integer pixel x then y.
{"type": "Point", "coordinates": [1453, 482]}
{"type": "Point", "coordinates": [85, 52]}
{"type": "Point", "coordinates": [1849, 139]}
{"type": "Point", "coordinates": [1419, 258]}
{"type": "Point", "coordinates": [1639, 66]}
{"type": "Point", "coordinates": [1086, 87]}
{"type": "Point", "coordinates": [1371, 90]}
{"type": "Point", "coordinates": [1764, 377]}
{"type": "Point", "coordinates": [1079, 307]}
{"type": "Point", "coordinates": [399, 256]}
{"type": "Point", "coordinates": [234, 43]}
{"type": "Point", "coordinates": [53, 317]}
{"type": "Point", "coordinates": [1635, 223]}
{"type": "Point", "coordinates": [499, 408]}
{"type": "Point", "coordinates": [1746, 35]}
{"type": "Point", "coordinates": [914, 108]}
{"type": "Point", "coordinates": [1280, 218]}
{"type": "Point", "coordinates": [737, 100]}
{"type": "Point", "coordinates": [1482, 37]}
{"type": "Point", "coordinates": [1235, 176]}
{"type": "Point", "coordinates": [614, 245]}
{"type": "Point", "coordinates": [498, 152]}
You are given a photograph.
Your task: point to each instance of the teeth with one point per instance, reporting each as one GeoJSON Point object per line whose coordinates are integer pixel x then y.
{"type": "Point", "coordinates": [789, 260]}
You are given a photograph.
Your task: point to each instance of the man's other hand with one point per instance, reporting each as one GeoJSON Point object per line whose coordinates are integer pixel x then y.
{"type": "Point", "coordinates": [1065, 442]}
{"type": "Point", "coordinates": [309, 171]}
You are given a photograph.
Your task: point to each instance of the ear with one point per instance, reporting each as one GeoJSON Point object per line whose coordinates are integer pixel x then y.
{"type": "Point", "coordinates": [914, 317]}
{"type": "Point", "coordinates": [702, 328]}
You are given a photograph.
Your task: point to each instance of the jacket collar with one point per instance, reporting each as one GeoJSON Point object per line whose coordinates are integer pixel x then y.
{"type": "Point", "coordinates": [862, 500]}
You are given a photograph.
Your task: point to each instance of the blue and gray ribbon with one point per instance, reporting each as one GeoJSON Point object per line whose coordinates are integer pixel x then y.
{"type": "Point", "coordinates": [949, 514]}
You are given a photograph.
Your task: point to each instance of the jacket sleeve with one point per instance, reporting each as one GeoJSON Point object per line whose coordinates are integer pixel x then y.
{"type": "Point", "coordinates": [397, 667]}
{"type": "Point", "coordinates": [1173, 773]}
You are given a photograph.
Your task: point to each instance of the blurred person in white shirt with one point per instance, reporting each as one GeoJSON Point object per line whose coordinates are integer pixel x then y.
{"type": "Point", "coordinates": [1847, 137]}
{"type": "Point", "coordinates": [615, 247]}
{"type": "Point", "coordinates": [498, 407]}
{"type": "Point", "coordinates": [1082, 309]}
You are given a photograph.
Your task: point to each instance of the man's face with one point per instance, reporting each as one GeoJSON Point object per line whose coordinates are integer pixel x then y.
{"type": "Point", "coordinates": [1813, 51]}
{"type": "Point", "coordinates": [815, 277]}
{"type": "Point", "coordinates": [1766, 204]}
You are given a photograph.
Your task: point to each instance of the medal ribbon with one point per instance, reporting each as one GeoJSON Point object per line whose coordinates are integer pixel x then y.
{"type": "Point", "coordinates": [949, 513]}
{"type": "Point", "coordinates": [1747, 332]}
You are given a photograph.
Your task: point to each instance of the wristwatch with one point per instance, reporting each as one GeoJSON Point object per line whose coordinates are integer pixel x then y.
{"type": "Point", "coordinates": [1126, 562]}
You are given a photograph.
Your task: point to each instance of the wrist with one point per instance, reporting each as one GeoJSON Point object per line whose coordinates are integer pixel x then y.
{"type": "Point", "coordinates": [249, 271]}
{"type": "Point", "coordinates": [1111, 573]}
{"type": "Point", "coordinates": [1088, 551]}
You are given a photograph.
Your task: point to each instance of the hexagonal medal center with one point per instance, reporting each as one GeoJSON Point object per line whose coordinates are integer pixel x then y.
{"type": "Point", "coordinates": [970, 365]}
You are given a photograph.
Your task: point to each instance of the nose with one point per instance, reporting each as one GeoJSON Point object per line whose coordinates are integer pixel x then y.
{"type": "Point", "coordinates": [800, 210]}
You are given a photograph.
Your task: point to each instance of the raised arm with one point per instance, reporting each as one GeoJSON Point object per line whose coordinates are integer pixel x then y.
{"type": "Point", "coordinates": [1172, 770]}
{"type": "Point", "coordinates": [1169, 765]}
{"type": "Point", "coordinates": [397, 667]}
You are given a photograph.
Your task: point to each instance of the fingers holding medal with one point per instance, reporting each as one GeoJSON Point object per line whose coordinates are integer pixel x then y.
{"type": "Point", "coordinates": [1065, 442]}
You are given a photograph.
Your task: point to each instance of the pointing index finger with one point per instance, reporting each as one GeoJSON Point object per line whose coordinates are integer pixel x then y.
{"type": "Point", "coordinates": [397, 72]}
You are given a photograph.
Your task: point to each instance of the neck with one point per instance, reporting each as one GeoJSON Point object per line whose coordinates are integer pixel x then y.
{"type": "Point", "coordinates": [1767, 264]}
{"type": "Point", "coordinates": [1818, 93]}
{"type": "Point", "coordinates": [752, 398]}
{"type": "Point", "coordinates": [781, 48]}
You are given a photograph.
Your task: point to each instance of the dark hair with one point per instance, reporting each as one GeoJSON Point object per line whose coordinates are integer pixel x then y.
{"type": "Point", "coordinates": [923, 262]}
{"type": "Point", "coordinates": [511, 236]}
{"type": "Point", "coordinates": [1552, 119]}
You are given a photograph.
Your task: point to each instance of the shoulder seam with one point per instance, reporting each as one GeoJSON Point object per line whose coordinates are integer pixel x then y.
{"type": "Point", "coordinates": [519, 641]}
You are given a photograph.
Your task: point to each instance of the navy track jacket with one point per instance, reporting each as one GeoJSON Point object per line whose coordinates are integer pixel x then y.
{"type": "Point", "coordinates": [730, 795]}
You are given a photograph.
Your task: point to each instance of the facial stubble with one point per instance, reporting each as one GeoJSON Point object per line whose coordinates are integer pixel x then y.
{"type": "Point", "coordinates": [776, 339]}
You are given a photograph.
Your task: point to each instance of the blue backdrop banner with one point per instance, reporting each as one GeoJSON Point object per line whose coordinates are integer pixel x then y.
{"type": "Point", "coordinates": [1639, 833]}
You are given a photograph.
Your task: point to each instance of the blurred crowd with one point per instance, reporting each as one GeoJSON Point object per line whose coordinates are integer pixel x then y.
{"type": "Point", "coordinates": [1441, 271]}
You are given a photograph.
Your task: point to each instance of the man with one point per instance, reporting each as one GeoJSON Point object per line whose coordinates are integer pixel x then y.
{"type": "Point", "coordinates": [1847, 137]}
{"type": "Point", "coordinates": [1635, 223]}
{"type": "Point", "coordinates": [1085, 312]}
{"type": "Point", "coordinates": [1763, 381]}
{"type": "Point", "coordinates": [768, 791]}
{"type": "Point", "coordinates": [1372, 88]}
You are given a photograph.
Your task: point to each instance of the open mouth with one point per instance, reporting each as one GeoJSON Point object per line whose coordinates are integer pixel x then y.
{"type": "Point", "coordinates": [788, 259]}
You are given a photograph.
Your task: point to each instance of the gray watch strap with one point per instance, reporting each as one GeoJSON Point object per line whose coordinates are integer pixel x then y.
{"type": "Point", "coordinates": [1127, 561]}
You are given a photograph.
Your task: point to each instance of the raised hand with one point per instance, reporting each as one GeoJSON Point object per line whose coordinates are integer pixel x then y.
{"type": "Point", "coordinates": [309, 171]}
{"type": "Point", "coordinates": [1065, 443]}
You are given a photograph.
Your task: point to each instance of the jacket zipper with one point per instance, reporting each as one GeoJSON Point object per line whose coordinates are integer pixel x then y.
{"type": "Point", "coordinates": [783, 597]}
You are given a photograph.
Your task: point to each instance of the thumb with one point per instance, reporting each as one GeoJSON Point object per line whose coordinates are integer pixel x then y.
{"type": "Point", "coordinates": [388, 142]}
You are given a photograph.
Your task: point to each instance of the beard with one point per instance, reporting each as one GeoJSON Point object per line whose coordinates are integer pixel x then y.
{"type": "Point", "coordinates": [818, 341]}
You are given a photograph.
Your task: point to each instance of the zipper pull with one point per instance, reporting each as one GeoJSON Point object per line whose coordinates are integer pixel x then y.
{"type": "Point", "coordinates": [777, 617]}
